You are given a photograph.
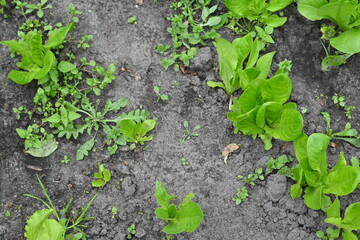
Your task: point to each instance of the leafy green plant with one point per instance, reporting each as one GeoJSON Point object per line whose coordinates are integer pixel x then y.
{"type": "Point", "coordinates": [2, 8]}
{"type": "Point", "coordinates": [257, 17]}
{"type": "Point", "coordinates": [136, 131]}
{"type": "Point", "coordinates": [132, 19]}
{"type": "Point", "coordinates": [65, 159]}
{"type": "Point", "coordinates": [252, 177]}
{"type": "Point", "coordinates": [346, 16]}
{"type": "Point", "coordinates": [185, 217]}
{"type": "Point", "coordinates": [234, 73]}
{"type": "Point", "coordinates": [114, 212]}
{"type": "Point", "coordinates": [40, 226]}
{"type": "Point", "coordinates": [62, 101]}
{"type": "Point", "coordinates": [184, 161]}
{"type": "Point", "coordinates": [340, 102]}
{"type": "Point", "coordinates": [349, 134]}
{"type": "Point", "coordinates": [241, 195]}
{"type": "Point", "coordinates": [313, 175]}
{"type": "Point", "coordinates": [261, 110]}
{"type": "Point", "coordinates": [131, 231]}
{"type": "Point", "coordinates": [279, 165]}
{"type": "Point", "coordinates": [330, 234]}
{"type": "Point", "coordinates": [103, 176]}
{"type": "Point", "coordinates": [194, 24]}
{"type": "Point", "coordinates": [188, 133]}
{"type": "Point", "coordinates": [160, 96]}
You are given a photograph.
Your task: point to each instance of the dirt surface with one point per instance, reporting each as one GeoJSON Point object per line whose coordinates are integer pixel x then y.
{"type": "Point", "coordinates": [269, 213]}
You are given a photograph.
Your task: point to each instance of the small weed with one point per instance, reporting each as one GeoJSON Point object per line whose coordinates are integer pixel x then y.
{"type": "Point", "coordinates": [65, 159]}
{"type": "Point", "coordinates": [168, 237]}
{"type": "Point", "coordinates": [184, 161]}
{"type": "Point", "coordinates": [160, 96]}
{"type": "Point", "coordinates": [251, 178]}
{"type": "Point", "coordinates": [340, 102]}
{"type": "Point", "coordinates": [103, 176]}
{"type": "Point", "coordinates": [241, 195]}
{"type": "Point", "coordinates": [278, 165]}
{"type": "Point", "coordinates": [330, 234]}
{"type": "Point", "coordinates": [7, 213]}
{"type": "Point", "coordinates": [131, 231]}
{"type": "Point", "coordinates": [132, 19]}
{"type": "Point", "coordinates": [114, 212]}
{"type": "Point", "coordinates": [188, 133]}
{"type": "Point", "coordinates": [174, 84]}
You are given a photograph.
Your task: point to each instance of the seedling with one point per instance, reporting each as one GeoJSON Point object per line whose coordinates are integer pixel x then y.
{"type": "Point", "coordinates": [32, 7]}
{"type": "Point", "coordinates": [40, 225]}
{"type": "Point", "coordinates": [349, 134]}
{"type": "Point", "coordinates": [114, 212]}
{"type": "Point", "coordinates": [279, 165]}
{"type": "Point", "coordinates": [132, 19]}
{"type": "Point", "coordinates": [103, 176]}
{"type": "Point", "coordinates": [339, 101]}
{"type": "Point", "coordinates": [131, 231]}
{"type": "Point", "coordinates": [188, 133]}
{"type": "Point", "coordinates": [160, 96]}
{"type": "Point", "coordinates": [168, 237]}
{"type": "Point", "coordinates": [7, 213]}
{"type": "Point", "coordinates": [174, 84]}
{"type": "Point", "coordinates": [136, 131]}
{"type": "Point", "coordinates": [185, 217]}
{"type": "Point", "coordinates": [241, 195]}
{"type": "Point", "coordinates": [330, 234]}
{"type": "Point", "coordinates": [184, 161]}
{"type": "Point", "coordinates": [65, 159]}
{"type": "Point", "coordinates": [251, 178]}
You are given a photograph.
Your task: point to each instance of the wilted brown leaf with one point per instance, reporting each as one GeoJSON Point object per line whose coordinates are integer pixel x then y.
{"type": "Point", "coordinates": [229, 149]}
{"type": "Point", "coordinates": [139, 2]}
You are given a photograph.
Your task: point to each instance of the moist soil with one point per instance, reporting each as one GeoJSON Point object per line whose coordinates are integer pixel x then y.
{"type": "Point", "coordinates": [269, 213]}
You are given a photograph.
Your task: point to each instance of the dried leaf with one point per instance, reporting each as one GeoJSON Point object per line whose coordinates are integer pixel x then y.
{"type": "Point", "coordinates": [284, 146]}
{"type": "Point", "coordinates": [139, 2]}
{"type": "Point", "coordinates": [229, 149]}
{"type": "Point", "coordinates": [36, 168]}
{"type": "Point", "coordinates": [333, 144]}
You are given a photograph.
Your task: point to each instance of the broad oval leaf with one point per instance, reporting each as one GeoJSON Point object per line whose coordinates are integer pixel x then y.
{"type": "Point", "coordinates": [313, 197]}
{"type": "Point", "coordinates": [310, 8]}
{"type": "Point", "coordinates": [264, 64]}
{"type": "Point", "coordinates": [46, 148]}
{"type": "Point", "coordinates": [352, 216]}
{"type": "Point", "coordinates": [347, 42]}
{"type": "Point", "coordinates": [188, 218]}
{"type": "Point", "coordinates": [316, 151]}
{"type": "Point", "coordinates": [277, 89]}
{"type": "Point", "coordinates": [39, 226]}
{"type": "Point", "coordinates": [98, 183]}
{"type": "Point", "coordinates": [21, 77]}
{"type": "Point", "coordinates": [65, 66]}
{"type": "Point", "coordinates": [162, 197]}
{"type": "Point", "coordinates": [288, 128]}
{"type": "Point", "coordinates": [268, 113]}
{"type": "Point", "coordinates": [339, 13]}
{"type": "Point", "coordinates": [58, 35]}
{"type": "Point", "coordinates": [277, 5]}
{"type": "Point", "coordinates": [300, 146]}
{"type": "Point", "coordinates": [343, 181]}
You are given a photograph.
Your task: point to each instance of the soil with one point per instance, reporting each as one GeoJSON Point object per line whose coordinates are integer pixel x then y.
{"type": "Point", "coordinates": [269, 213]}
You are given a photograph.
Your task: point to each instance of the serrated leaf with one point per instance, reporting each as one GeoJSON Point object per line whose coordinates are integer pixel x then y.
{"type": "Point", "coordinates": [83, 151]}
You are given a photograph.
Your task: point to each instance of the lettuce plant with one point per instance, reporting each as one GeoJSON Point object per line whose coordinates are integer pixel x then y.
{"type": "Point", "coordinates": [346, 15]}
{"type": "Point", "coordinates": [262, 111]}
{"type": "Point", "coordinates": [313, 175]}
{"type": "Point", "coordinates": [239, 63]}
{"type": "Point", "coordinates": [184, 218]}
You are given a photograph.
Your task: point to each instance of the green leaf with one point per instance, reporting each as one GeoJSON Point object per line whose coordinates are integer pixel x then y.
{"type": "Point", "coordinates": [162, 213]}
{"type": "Point", "coordinates": [316, 151]}
{"type": "Point", "coordinates": [189, 217]}
{"type": "Point", "coordinates": [310, 8]}
{"type": "Point", "coordinates": [57, 36]}
{"type": "Point", "coordinates": [21, 77]}
{"type": "Point", "coordinates": [106, 175]}
{"type": "Point", "coordinates": [98, 183]}
{"type": "Point", "coordinates": [334, 209]}
{"type": "Point", "coordinates": [162, 197]}
{"type": "Point", "coordinates": [339, 13]}
{"type": "Point", "coordinates": [277, 89]}
{"type": "Point", "coordinates": [213, 21]}
{"type": "Point", "coordinates": [55, 118]}
{"type": "Point", "coordinates": [47, 64]}
{"type": "Point", "coordinates": [46, 148]}
{"type": "Point", "coordinates": [340, 163]}
{"type": "Point", "coordinates": [313, 197]}
{"type": "Point", "coordinates": [65, 66]}
{"type": "Point", "coordinates": [347, 42]}
{"type": "Point", "coordinates": [215, 84]}
{"type": "Point", "coordinates": [268, 113]}
{"type": "Point", "coordinates": [73, 116]}
{"type": "Point", "coordinates": [343, 181]}
{"type": "Point", "coordinates": [128, 128]}
{"type": "Point", "coordinates": [238, 7]}
{"type": "Point", "coordinates": [289, 127]}
{"type": "Point", "coordinates": [83, 151]}
{"type": "Point", "coordinates": [300, 146]}
{"type": "Point", "coordinates": [22, 133]}
{"type": "Point", "coordinates": [38, 226]}
{"type": "Point", "coordinates": [147, 126]}
{"type": "Point", "coordinates": [352, 216]}
{"type": "Point", "coordinates": [334, 60]}
{"type": "Point", "coordinates": [246, 122]}
{"type": "Point", "coordinates": [264, 64]}
{"type": "Point", "coordinates": [277, 5]}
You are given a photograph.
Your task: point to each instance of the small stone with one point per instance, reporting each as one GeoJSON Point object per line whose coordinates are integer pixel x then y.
{"type": "Point", "coordinates": [140, 233]}
{"type": "Point", "coordinates": [128, 186]}
{"type": "Point", "coordinates": [203, 59]}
